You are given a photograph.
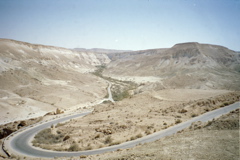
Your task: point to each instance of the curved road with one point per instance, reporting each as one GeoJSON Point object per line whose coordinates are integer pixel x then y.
{"type": "Point", "coordinates": [20, 142]}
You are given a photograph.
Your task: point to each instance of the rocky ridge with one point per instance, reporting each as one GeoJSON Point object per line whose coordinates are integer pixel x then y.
{"type": "Point", "coordinates": [36, 79]}
{"type": "Point", "coordinates": [186, 65]}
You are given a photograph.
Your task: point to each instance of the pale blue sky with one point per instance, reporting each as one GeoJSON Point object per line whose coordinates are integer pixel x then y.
{"type": "Point", "coordinates": [121, 24]}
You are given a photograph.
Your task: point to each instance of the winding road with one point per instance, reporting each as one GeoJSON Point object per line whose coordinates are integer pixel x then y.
{"type": "Point", "coordinates": [20, 143]}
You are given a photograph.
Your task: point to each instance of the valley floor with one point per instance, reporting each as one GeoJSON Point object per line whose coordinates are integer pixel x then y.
{"type": "Point", "coordinates": [140, 115]}
{"type": "Point", "coordinates": [218, 139]}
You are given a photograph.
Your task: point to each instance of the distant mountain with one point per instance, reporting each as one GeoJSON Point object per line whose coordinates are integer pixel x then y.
{"type": "Point", "coordinates": [35, 79]}
{"type": "Point", "coordinates": [122, 55]}
{"type": "Point", "coordinates": [100, 50]}
{"type": "Point", "coordinates": [185, 65]}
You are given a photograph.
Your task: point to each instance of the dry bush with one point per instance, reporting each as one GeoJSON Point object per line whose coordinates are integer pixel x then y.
{"type": "Point", "coordinates": [66, 138]}
{"type": "Point", "coordinates": [132, 138]}
{"type": "Point", "coordinates": [108, 140]}
{"type": "Point", "coordinates": [83, 156]}
{"type": "Point", "coordinates": [139, 135]}
{"type": "Point", "coordinates": [74, 147]}
{"type": "Point", "coordinates": [89, 147]}
{"type": "Point", "coordinates": [178, 121]}
{"type": "Point", "coordinates": [114, 143]}
{"type": "Point", "coordinates": [136, 137]}
{"type": "Point", "coordinates": [46, 137]}
{"type": "Point", "coordinates": [97, 136]}
{"type": "Point", "coordinates": [194, 115]}
{"type": "Point", "coordinates": [147, 132]}
{"type": "Point", "coordinates": [182, 111]}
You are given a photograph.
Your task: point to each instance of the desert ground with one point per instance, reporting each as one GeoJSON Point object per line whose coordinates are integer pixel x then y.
{"type": "Point", "coordinates": [217, 139]}
{"type": "Point", "coordinates": [153, 90]}
{"type": "Point", "coordinates": [134, 117]}
{"type": "Point", "coordinates": [36, 79]}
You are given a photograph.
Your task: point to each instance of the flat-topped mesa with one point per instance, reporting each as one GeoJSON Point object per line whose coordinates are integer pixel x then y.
{"type": "Point", "coordinates": [187, 44]}
{"type": "Point", "coordinates": [191, 64]}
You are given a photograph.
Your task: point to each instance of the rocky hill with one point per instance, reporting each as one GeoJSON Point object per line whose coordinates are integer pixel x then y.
{"type": "Point", "coordinates": [101, 50]}
{"type": "Point", "coordinates": [186, 65]}
{"type": "Point", "coordinates": [37, 79]}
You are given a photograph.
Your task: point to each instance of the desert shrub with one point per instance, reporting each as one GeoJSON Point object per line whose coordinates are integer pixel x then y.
{"type": "Point", "coordinates": [89, 147]}
{"type": "Point", "coordinates": [46, 137]}
{"type": "Point", "coordinates": [226, 103]}
{"type": "Point", "coordinates": [74, 147]}
{"type": "Point", "coordinates": [221, 105]}
{"type": "Point", "coordinates": [83, 156]}
{"type": "Point", "coordinates": [182, 111]}
{"type": "Point", "coordinates": [133, 138]}
{"type": "Point", "coordinates": [178, 121]}
{"type": "Point", "coordinates": [139, 135]}
{"type": "Point", "coordinates": [206, 109]}
{"type": "Point", "coordinates": [114, 143]}
{"type": "Point", "coordinates": [194, 115]}
{"type": "Point", "coordinates": [97, 136]}
{"type": "Point", "coordinates": [147, 132]}
{"type": "Point", "coordinates": [66, 138]}
{"type": "Point", "coordinates": [198, 103]}
{"type": "Point", "coordinates": [108, 140]}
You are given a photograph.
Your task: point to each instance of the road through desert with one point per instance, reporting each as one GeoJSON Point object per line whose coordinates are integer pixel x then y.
{"type": "Point", "coordinates": [20, 144]}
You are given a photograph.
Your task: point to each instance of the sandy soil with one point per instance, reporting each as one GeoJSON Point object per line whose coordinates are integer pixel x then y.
{"type": "Point", "coordinates": [36, 100]}
{"type": "Point", "coordinates": [218, 139]}
{"type": "Point", "coordinates": [140, 115]}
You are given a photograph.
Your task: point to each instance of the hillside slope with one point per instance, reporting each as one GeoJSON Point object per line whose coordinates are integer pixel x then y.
{"type": "Point", "coordinates": [186, 65]}
{"type": "Point", "coordinates": [35, 79]}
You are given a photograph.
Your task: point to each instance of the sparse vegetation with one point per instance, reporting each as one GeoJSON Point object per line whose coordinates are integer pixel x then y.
{"type": "Point", "coordinates": [194, 115]}
{"type": "Point", "coordinates": [136, 137]}
{"type": "Point", "coordinates": [182, 111]}
{"type": "Point", "coordinates": [108, 140]}
{"type": "Point", "coordinates": [97, 136]}
{"type": "Point", "coordinates": [139, 135]}
{"type": "Point", "coordinates": [46, 137]}
{"type": "Point", "coordinates": [118, 95]}
{"type": "Point", "coordinates": [89, 147]}
{"type": "Point", "coordinates": [114, 143]}
{"type": "Point", "coordinates": [83, 156]}
{"type": "Point", "coordinates": [147, 132]}
{"type": "Point", "coordinates": [120, 89]}
{"type": "Point", "coordinates": [178, 121]}
{"type": "Point", "coordinates": [99, 70]}
{"type": "Point", "coordinates": [74, 147]}
{"type": "Point", "coordinates": [110, 129]}
{"type": "Point", "coordinates": [66, 137]}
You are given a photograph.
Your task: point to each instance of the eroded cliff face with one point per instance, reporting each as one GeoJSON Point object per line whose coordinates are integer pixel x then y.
{"type": "Point", "coordinates": [35, 79]}
{"type": "Point", "coordinates": [15, 53]}
{"type": "Point", "coordinates": [186, 65]}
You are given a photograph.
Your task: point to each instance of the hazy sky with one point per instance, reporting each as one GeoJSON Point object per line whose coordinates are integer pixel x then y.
{"type": "Point", "coordinates": [121, 24]}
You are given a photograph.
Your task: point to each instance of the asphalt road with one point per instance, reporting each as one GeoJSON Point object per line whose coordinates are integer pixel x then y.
{"type": "Point", "coordinates": [20, 142]}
